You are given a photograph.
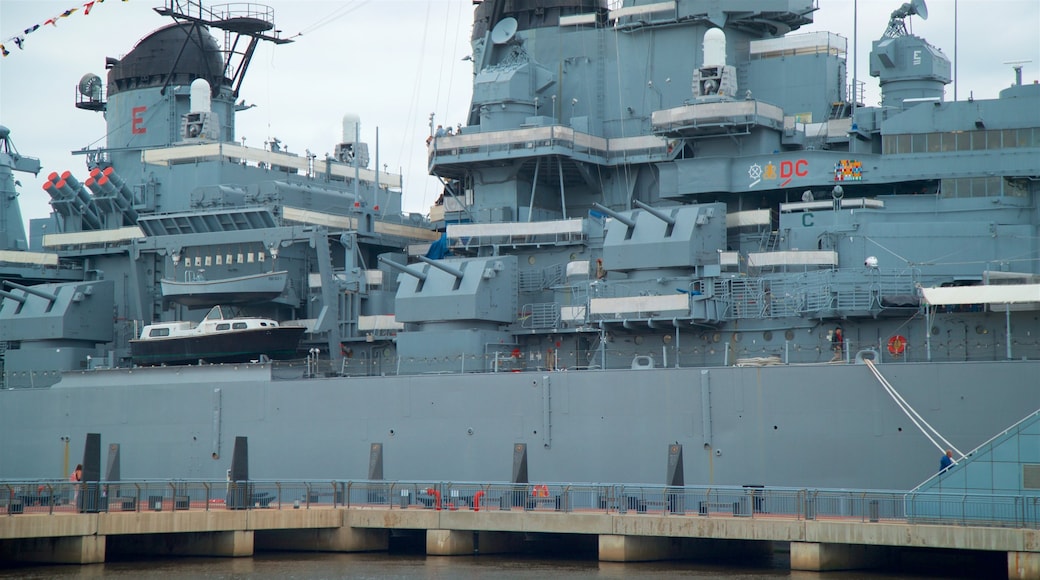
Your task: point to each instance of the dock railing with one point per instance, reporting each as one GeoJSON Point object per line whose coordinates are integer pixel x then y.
{"type": "Point", "coordinates": [749, 501]}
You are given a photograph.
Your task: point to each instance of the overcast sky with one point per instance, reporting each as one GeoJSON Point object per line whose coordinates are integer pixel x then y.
{"type": "Point", "coordinates": [393, 63]}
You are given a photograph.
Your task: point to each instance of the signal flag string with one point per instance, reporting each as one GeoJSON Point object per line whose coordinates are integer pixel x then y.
{"type": "Point", "coordinates": [19, 39]}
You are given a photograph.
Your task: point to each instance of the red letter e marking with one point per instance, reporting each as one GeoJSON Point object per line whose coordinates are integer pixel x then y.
{"type": "Point", "coordinates": [136, 121]}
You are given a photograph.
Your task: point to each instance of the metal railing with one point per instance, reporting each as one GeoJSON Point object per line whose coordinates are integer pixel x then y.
{"type": "Point", "coordinates": [751, 501]}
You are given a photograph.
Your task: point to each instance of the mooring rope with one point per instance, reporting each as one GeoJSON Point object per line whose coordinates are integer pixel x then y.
{"type": "Point", "coordinates": [914, 416]}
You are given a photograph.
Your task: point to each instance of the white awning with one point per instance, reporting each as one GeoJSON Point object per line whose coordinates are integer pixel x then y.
{"type": "Point", "coordinates": [992, 294]}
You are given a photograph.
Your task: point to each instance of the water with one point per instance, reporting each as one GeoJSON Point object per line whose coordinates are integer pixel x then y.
{"type": "Point", "coordinates": [416, 567]}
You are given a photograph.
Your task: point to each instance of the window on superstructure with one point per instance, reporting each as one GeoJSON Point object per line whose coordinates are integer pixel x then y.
{"type": "Point", "coordinates": [981, 140]}
{"type": "Point", "coordinates": [1029, 137]}
{"type": "Point", "coordinates": [223, 326]}
{"type": "Point", "coordinates": [978, 140]}
{"type": "Point", "coordinates": [978, 186]}
{"type": "Point", "coordinates": [919, 143]}
{"type": "Point", "coordinates": [238, 325]}
{"type": "Point", "coordinates": [993, 139]}
{"type": "Point", "coordinates": [158, 332]}
{"type": "Point", "coordinates": [964, 141]}
{"type": "Point", "coordinates": [1010, 138]}
{"type": "Point", "coordinates": [935, 142]}
{"type": "Point", "coordinates": [994, 186]}
{"type": "Point", "coordinates": [902, 143]}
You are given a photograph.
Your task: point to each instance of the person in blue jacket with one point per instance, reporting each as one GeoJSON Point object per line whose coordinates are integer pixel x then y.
{"type": "Point", "coordinates": [947, 461]}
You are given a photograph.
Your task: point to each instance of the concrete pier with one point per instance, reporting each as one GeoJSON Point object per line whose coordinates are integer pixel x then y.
{"type": "Point", "coordinates": [818, 557]}
{"type": "Point", "coordinates": [613, 548]}
{"type": "Point", "coordinates": [449, 542]}
{"type": "Point", "coordinates": [229, 544]}
{"type": "Point", "coordinates": [335, 539]}
{"type": "Point", "coordinates": [816, 545]}
{"type": "Point", "coordinates": [55, 550]}
{"type": "Point", "coordinates": [466, 543]}
{"type": "Point", "coordinates": [1023, 565]}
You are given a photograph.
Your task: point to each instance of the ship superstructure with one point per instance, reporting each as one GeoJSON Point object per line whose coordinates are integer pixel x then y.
{"type": "Point", "coordinates": [663, 222]}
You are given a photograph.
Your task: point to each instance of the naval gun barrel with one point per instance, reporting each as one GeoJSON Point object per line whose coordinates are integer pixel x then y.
{"type": "Point", "coordinates": [442, 266]}
{"type": "Point", "coordinates": [30, 290]}
{"type": "Point", "coordinates": [15, 297]}
{"type": "Point", "coordinates": [418, 274]}
{"type": "Point", "coordinates": [655, 212]}
{"type": "Point", "coordinates": [621, 218]}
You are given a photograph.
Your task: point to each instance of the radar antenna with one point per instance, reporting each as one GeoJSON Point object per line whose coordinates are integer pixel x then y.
{"type": "Point", "coordinates": [241, 22]}
{"type": "Point", "coordinates": [897, 22]}
{"type": "Point", "coordinates": [1017, 66]}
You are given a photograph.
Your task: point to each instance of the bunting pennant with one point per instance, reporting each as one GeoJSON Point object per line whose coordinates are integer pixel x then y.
{"type": "Point", "coordinates": [19, 40]}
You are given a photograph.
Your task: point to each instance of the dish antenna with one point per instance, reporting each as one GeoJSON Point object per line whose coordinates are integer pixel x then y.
{"type": "Point", "coordinates": [919, 8]}
{"type": "Point", "coordinates": [504, 31]}
{"type": "Point", "coordinates": [897, 22]}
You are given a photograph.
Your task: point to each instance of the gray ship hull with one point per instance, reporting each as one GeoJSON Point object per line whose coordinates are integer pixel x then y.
{"type": "Point", "coordinates": [804, 425]}
{"type": "Point", "coordinates": [635, 185]}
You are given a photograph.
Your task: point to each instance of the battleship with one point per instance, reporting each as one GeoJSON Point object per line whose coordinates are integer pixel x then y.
{"type": "Point", "coordinates": [663, 223]}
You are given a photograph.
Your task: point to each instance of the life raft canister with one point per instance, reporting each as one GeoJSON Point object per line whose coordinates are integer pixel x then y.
{"type": "Point", "coordinates": [897, 344]}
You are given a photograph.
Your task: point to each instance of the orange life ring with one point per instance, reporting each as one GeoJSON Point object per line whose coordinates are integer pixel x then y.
{"type": "Point", "coordinates": [897, 344]}
{"type": "Point", "coordinates": [540, 491]}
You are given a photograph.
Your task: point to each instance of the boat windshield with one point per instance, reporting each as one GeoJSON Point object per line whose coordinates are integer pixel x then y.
{"type": "Point", "coordinates": [221, 313]}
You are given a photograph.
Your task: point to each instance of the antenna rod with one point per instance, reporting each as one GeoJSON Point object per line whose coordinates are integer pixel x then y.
{"type": "Point", "coordinates": [855, 56]}
{"type": "Point", "coordinates": [956, 77]}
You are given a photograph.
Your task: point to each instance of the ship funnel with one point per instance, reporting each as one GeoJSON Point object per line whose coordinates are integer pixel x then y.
{"type": "Point", "coordinates": [199, 95]}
